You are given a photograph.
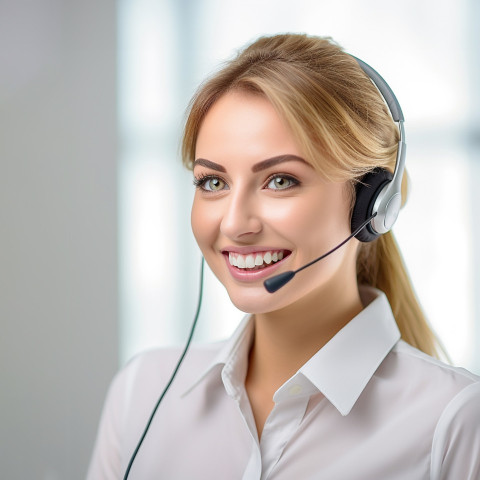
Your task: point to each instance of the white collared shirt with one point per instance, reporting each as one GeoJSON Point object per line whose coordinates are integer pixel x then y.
{"type": "Point", "coordinates": [367, 406]}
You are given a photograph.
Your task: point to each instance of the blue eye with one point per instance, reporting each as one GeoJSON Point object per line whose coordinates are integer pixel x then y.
{"type": "Point", "coordinates": [210, 183]}
{"type": "Point", "coordinates": [281, 182]}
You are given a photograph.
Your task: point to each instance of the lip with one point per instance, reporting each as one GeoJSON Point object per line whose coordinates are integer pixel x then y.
{"type": "Point", "coordinates": [252, 275]}
{"type": "Point", "coordinates": [250, 249]}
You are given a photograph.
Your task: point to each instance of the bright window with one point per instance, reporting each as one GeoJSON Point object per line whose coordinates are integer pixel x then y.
{"type": "Point", "coordinates": [166, 48]}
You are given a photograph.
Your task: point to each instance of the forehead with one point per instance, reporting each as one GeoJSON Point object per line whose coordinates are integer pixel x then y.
{"type": "Point", "coordinates": [245, 123]}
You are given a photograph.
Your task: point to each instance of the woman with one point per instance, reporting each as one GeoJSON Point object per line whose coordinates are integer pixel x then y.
{"type": "Point", "coordinates": [331, 377]}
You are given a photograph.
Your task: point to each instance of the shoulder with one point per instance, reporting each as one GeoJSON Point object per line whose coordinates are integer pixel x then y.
{"type": "Point", "coordinates": [461, 411]}
{"type": "Point", "coordinates": [146, 374]}
{"type": "Point", "coordinates": [168, 356]}
{"type": "Point", "coordinates": [426, 369]}
{"type": "Point", "coordinates": [422, 386]}
{"type": "Point", "coordinates": [157, 365]}
{"type": "Point", "coordinates": [456, 442]}
{"type": "Point", "coordinates": [132, 395]}
{"type": "Point", "coordinates": [449, 397]}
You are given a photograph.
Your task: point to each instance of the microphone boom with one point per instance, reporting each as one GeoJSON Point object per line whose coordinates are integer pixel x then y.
{"type": "Point", "coordinates": [276, 282]}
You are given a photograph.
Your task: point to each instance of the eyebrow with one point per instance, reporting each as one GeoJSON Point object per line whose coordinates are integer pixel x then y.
{"type": "Point", "coordinates": [258, 167]}
{"type": "Point", "coordinates": [271, 162]}
{"type": "Point", "coordinates": [209, 164]}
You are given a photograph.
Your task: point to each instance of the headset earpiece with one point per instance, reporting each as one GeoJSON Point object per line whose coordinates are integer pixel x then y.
{"type": "Point", "coordinates": [367, 190]}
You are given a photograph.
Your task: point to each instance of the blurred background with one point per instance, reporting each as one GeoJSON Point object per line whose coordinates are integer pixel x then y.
{"type": "Point", "coordinates": [97, 261]}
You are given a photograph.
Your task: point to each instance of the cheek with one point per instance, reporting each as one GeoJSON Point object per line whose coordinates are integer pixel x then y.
{"type": "Point", "coordinates": [316, 229]}
{"type": "Point", "coordinates": [310, 220]}
{"type": "Point", "coordinates": [204, 223]}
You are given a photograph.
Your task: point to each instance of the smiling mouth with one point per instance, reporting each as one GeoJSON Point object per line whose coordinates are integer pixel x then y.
{"type": "Point", "coordinates": [257, 260]}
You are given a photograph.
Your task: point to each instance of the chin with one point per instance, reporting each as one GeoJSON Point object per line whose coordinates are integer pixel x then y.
{"type": "Point", "coordinates": [256, 300]}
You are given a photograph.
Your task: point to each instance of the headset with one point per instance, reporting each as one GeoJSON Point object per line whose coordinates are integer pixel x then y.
{"type": "Point", "coordinates": [377, 205]}
{"type": "Point", "coordinates": [379, 193]}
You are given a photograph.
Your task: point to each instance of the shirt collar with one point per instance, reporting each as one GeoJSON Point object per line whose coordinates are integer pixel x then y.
{"type": "Point", "coordinates": [344, 366]}
{"type": "Point", "coordinates": [340, 370]}
{"type": "Point", "coordinates": [231, 360]}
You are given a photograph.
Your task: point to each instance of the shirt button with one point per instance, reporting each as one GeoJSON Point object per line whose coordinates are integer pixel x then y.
{"type": "Point", "coordinates": [295, 390]}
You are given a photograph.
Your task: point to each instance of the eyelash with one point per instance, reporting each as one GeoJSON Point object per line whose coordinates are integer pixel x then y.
{"type": "Point", "coordinates": [201, 180]}
{"type": "Point", "coordinates": [285, 176]}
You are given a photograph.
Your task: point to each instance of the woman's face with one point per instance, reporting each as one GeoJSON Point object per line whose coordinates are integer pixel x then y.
{"type": "Point", "coordinates": [260, 209]}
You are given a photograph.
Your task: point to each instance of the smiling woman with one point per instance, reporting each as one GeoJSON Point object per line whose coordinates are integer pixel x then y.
{"type": "Point", "coordinates": [331, 377]}
{"type": "Point", "coordinates": [257, 194]}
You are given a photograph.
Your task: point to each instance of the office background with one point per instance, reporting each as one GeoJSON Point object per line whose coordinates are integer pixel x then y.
{"type": "Point", "coordinates": [97, 261]}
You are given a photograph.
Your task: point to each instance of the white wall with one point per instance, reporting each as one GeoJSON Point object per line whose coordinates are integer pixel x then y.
{"type": "Point", "coordinates": [58, 226]}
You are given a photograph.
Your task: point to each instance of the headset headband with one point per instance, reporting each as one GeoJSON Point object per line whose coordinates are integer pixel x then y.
{"type": "Point", "coordinates": [388, 202]}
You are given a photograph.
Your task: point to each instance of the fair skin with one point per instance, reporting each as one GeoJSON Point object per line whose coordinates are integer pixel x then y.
{"type": "Point", "coordinates": [257, 198]}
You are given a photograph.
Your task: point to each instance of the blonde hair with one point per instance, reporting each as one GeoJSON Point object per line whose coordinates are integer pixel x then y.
{"type": "Point", "coordinates": [343, 128]}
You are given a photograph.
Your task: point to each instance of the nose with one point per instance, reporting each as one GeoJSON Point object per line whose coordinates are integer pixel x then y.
{"type": "Point", "coordinates": [241, 217]}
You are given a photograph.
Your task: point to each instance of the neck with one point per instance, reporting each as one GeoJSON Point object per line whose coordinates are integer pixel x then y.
{"type": "Point", "coordinates": [288, 338]}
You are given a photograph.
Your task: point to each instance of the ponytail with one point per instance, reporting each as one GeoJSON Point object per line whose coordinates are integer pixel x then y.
{"type": "Point", "coordinates": [380, 265]}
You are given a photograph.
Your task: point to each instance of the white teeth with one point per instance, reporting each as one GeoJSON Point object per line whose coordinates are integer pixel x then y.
{"type": "Point", "coordinates": [232, 259]}
{"type": "Point", "coordinates": [254, 260]}
{"type": "Point", "coordinates": [249, 261]}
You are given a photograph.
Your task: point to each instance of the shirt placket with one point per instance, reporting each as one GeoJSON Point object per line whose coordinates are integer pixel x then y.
{"type": "Point", "coordinates": [291, 402]}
